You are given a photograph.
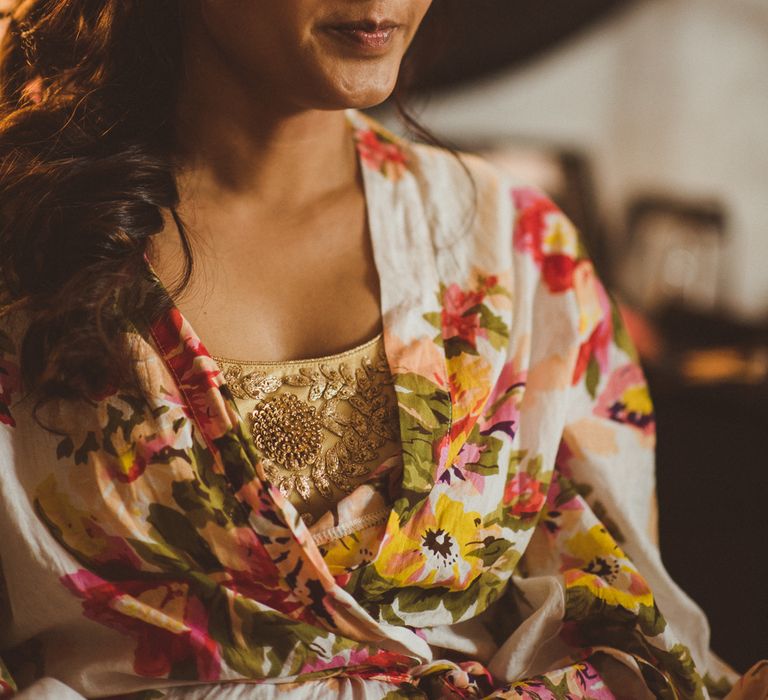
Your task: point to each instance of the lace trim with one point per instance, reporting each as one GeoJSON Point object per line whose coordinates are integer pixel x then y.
{"type": "Point", "coordinates": [309, 361]}
{"type": "Point", "coordinates": [355, 525]}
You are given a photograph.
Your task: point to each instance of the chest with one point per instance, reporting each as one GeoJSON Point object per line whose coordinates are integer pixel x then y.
{"type": "Point", "coordinates": [276, 285]}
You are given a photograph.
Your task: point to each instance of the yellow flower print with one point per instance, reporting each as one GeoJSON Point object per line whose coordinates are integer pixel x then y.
{"type": "Point", "coordinates": [162, 607]}
{"type": "Point", "coordinates": [637, 400]}
{"type": "Point", "coordinates": [592, 543]}
{"type": "Point", "coordinates": [561, 238]}
{"type": "Point", "coordinates": [432, 548]}
{"type": "Point", "coordinates": [469, 379]}
{"type": "Point", "coordinates": [74, 525]}
{"type": "Point", "coordinates": [597, 563]}
{"type": "Point", "coordinates": [592, 306]}
{"type": "Point", "coordinates": [348, 553]}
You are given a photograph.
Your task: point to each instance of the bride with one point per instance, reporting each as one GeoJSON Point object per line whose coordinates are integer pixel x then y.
{"type": "Point", "coordinates": [292, 407]}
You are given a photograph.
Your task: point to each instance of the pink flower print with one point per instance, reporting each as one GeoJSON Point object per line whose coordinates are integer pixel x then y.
{"type": "Point", "coordinates": [379, 153]}
{"type": "Point", "coordinates": [533, 209]}
{"type": "Point", "coordinates": [460, 318]}
{"type": "Point", "coordinates": [596, 314]}
{"type": "Point", "coordinates": [557, 271]}
{"type": "Point", "coordinates": [457, 470]}
{"type": "Point", "coordinates": [503, 405]}
{"type": "Point", "coordinates": [544, 232]}
{"type": "Point", "coordinates": [169, 624]}
{"type": "Point", "coordinates": [524, 495]}
{"type": "Point", "coordinates": [197, 375]}
{"type": "Point", "coordinates": [625, 399]}
{"type": "Point", "coordinates": [131, 464]}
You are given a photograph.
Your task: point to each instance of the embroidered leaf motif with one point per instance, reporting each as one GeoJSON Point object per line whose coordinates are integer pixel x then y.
{"type": "Point", "coordinates": [297, 380]}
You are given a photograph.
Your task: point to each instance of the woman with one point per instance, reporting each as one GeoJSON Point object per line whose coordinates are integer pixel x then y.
{"type": "Point", "coordinates": [431, 506]}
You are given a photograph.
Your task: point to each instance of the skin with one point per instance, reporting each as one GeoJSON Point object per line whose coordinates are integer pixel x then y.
{"type": "Point", "coordinates": [270, 186]}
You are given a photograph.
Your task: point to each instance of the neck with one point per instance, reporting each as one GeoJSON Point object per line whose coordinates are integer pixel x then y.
{"type": "Point", "coordinates": [235, 141]}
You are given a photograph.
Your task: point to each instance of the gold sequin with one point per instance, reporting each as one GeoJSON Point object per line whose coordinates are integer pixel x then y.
{"type": "Point", "coordinates": [287, 431]}
{"type": "Point", "coordinates": [321, 425]}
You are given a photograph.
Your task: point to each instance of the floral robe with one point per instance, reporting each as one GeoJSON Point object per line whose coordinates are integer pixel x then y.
{"type": "Point", "coordinates": [145, 555]}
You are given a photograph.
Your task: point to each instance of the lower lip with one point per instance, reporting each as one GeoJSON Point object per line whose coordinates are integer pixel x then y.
{"type": "Point", "coordinates": [377, 41]}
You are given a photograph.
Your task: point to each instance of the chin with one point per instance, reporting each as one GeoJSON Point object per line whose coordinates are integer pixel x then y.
{"type": "Point", "coordinates": [359, 90]}
{"type": "Point", "coordinates": [364, 97]}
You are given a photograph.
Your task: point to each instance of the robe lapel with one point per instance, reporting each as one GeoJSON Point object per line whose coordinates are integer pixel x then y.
{"type": "Point", "coordinates": [408, 283]}
{"type": "Point", "coordinates": [410, 304]}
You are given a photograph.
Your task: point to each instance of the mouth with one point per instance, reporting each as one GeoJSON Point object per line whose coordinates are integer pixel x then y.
{"type": "Point", "coordinates": [368, 35]}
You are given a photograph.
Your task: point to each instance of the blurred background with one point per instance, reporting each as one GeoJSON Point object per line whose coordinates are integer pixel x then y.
{"type": "Point", "coordinates": [647, 120]}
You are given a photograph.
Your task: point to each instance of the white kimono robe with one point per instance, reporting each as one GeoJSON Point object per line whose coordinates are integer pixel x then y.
{"type": "Point", "coordinates": [145, 554]}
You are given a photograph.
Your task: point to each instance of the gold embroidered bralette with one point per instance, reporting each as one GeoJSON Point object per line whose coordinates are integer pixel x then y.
{"type": "Point", "coordinates": [323, 425]}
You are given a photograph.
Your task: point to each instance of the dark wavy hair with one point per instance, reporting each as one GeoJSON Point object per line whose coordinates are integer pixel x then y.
{"type": "Point", "coordinates": [87, 96]}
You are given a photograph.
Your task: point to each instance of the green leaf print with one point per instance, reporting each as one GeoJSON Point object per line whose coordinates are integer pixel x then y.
{"type": "Point", "coordinates": [483, 591]}
{"type": "Point", "coordinates": [418, 408]}
{"type": "Point", "coordinates": [418, 478]}
{"type": "Point", "coordinates": [180, 534]}
{"type": "Point", "coordinates": [491, 549]}
{"type": "Point", "coordinates": [458, 346]}
{"type": "Point", "coordinates": [415, 383]}
{"type": "Point", "coordinates": [592, 378]}
{"type": "Point", "coordinates": [421, 402]}
{"type": "Point", "coordinates": [161, 556]}
{"type": "Point", "coordinates": [601, 513]}
{"type": "Point", "coordinates": [651, 620]}
{"type": "Point", "coordinates": [584, 607]}
{"type": "Point", "coordinates": [208, 498]}
{"type": "Point", "coordinates": [488, 462]}
{"type": "Point", "coordinates": [498, 333]}
{"type": "Point", "coordinates": [434, 318]}
{"type": "Point", "coordinates": [718, 688]}
{"type": "Point", "coordinates": [620, 335]}
{"type": "Point", "coordinates": [679, 664]}
{"type": "Point", "coordinates": [412, 599]}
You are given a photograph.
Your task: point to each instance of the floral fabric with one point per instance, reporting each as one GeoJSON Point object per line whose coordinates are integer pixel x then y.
{"type": "Point", "coordinates": [146, 554]}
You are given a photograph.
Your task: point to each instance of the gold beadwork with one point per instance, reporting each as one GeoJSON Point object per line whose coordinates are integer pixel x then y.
{"type": "Point", "coordinates": [320, 424]}
{"type": "Point", "coordinates": [287, 431]}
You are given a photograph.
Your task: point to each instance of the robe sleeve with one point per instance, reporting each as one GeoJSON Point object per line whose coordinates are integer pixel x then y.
{"type": "Point", "coordinates": [597, 532]}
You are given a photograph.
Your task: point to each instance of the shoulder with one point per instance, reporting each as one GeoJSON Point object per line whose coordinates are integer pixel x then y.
{"type": "Point", "coordinates": [435, 171]}
{"type": "Point", "coordinates": [465, 188]}
{"type": "Point", "coordinates": [481, 218]}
